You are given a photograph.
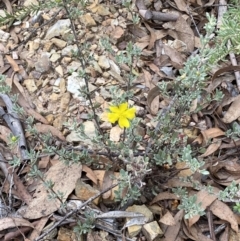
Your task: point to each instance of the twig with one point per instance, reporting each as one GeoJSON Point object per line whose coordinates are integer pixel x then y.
{"type": "Point", "coordinates": [210, 224]}
{"type": "Point", "coordinates": [73, 212]}
{"type": "Point", "coordinates": [14, 124]}
{"type": "Point", "coordinates": [154, 15]}
{"type": "Point", "coordinates": [195, 25]}
{"type": "Point", "coordinates": [83, 65]}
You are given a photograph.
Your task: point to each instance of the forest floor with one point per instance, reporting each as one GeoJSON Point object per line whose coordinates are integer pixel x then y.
{"type": "Point", "coordinates": [38, 61]}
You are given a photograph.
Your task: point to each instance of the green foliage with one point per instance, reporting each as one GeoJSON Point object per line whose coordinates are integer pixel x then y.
{"type": "Point", "coordinates": [86, 226]}
{"type": "Point", "coordinates": [127, 190]}
{"type": "Point", "coordinates": [4, 89]}
{"type": "Point", "coordinates": [230, 193]}
{"type": "Point", "coordinates": [188, 203]}
{"type": "Point", "coordinates": [236, 207]}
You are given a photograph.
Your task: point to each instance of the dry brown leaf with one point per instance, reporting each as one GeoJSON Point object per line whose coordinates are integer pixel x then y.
{"type": "Point", "coordinates": [175, 56]}
{"type": "Point", "coordinates": [4, 133]}
{"type": "Point", "coordinates": [212, 133]}
{"type": "Point", "coordinates": [38, 228]}
{"type": "Point", "coordinates": [107, 182]}
{"type": "Point", "coordinates": [8, 6]}
{"type": "Point", "coordinates": [167, 219]}
{"type": "Point", "coordinates": [164, 196]}
{"type": "Point", "coordinates": [42, 128]}
{"type": "Point", "coordinates": [230, 145]}
{"type": "Point", "coordinates": [13, 222]}
{"type": "Point", "coordinates": [90, 174]}
{"type": "Point", "coordinates": [222, 211]}
{"type": "Point", "coordinates": [205, 199]}
{"type": "Point", "coordinates": [185, 170]}
{"type": "Point", "coordinates": [117, 32]}
{"type": "Point", "coordinates": [44, 161]}
{"type": "Point", "coordinates": [233, 111]}
{"type": "Point", "coordinates": [175, 182]}
{"type": "Point", "coordinates": [212, 148]}
{"type": "Point", "coordinates": [13, 63]}
{"type": "Point", "coordinates": [197, 234]}
{"type": "Point", "coordinates": [153, 100]}
{"type": "Point", "coordinates": [182, 6]}
{"type": "Point", "coordinates": [153, 36]}
{"type": "Point", "coordinates": [172, 231]}
{"type": "Point", "coordinates": [100, 176]}
{"type": "Point", "coordinates": [64, 179]}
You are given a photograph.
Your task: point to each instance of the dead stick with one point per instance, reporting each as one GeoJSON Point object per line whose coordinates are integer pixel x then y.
{"type": "Point", "coordinates": [147, 14]}
{"type": "Point", "coordinates": [13, 122]}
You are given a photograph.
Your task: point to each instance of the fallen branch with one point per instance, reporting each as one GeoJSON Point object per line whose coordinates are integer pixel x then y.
{"type": "Point", "coordinates": [154, 15]}
{"type": "Point", "coordinates": [13, 122]}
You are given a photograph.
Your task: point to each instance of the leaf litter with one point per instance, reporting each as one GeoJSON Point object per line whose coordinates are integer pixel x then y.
{"type": "Point", "coordinates": [167, 43]}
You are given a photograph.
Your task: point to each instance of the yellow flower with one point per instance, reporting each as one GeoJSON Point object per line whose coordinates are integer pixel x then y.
{"type": "Point", "coordinates": [122, 114]}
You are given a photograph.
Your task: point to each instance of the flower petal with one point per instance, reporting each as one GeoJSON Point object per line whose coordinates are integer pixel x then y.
{"type": "Point", "coordinates": [113, 117]}
{"type": "Point", "coordinates": [122, 107]}
{"type": "Point", "coordinates": [130, 113]}
{"type": "Point", "coordinates": [123, 122]}
{"type": "Point", "coordinates": [114, 109]}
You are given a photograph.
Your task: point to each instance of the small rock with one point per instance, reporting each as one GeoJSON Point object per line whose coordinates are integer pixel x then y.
{"type": "Point", "coordinates": [50, 118]}
{"type": "Point", "coordinates": [116, 76]}
{"type": "Point", "coordinates": [43, 65]}
{"type": "Point", "coordinates": [30, 85]}
{"type": "Point", "coordinates": [65, 234]}
{"type": "Point", "coordinates": [73, 137]}
{"type": "Point", "coordinates": [88, 20]}
{"type": "Point", "coordinates": [28, 3]}
{"type": "Point", "coordinates": [85, 191]}
{"type": "Point", "coordinates": [59, 70]}
{"type": "Point", "coordinates": [58, 28]}
{"type": "Point", "coordinates": [100, 81]}
{"type": "Point", "coordinates": [140, 111]}
{"type": "Point", "coordinates": [55, 57]}
{"type": "Point", "coordinates": [59, 43]}
{"type": "Point", "coordinates": [73, 66]}
{"type": "Point", "coordinates": [103, 10]}
{"type": "Point", "coordinates": [56, 90]}
{"type": "Point", "coordinates": [47, 46]}
{"type": "Point", "coordinates": [152, 231]}
{"type": "Point", "coordinates": [54, 96]}
{"type": "Point", "coordinates": [62, 85]}
{"type": "Point", "coordinates": [75, 83]}
{"type": "Point", "coordinates": [68, 51]}
{"type": "Point", "coordinates": [3, 14]}
{"type": "Point", "coordinates": [114, 67]}
{"type": "Point", "coordinates": [4, 36]}
{"type": "Point", "coordinates": [104, 62]}
{"type": "Point", "coordinates": [106, 125]}
{"type": "Point", "coordinates": [96, 66]}
{"type": "Point", "coordinates": [65, 101]}
{"type": "Point", "coordinates": [155, 209]}
{"type": "Point", "coordinates": [105, 75]}
{"type": "Point", "coordinates": [66, 60]}
{"type": "Point", "coordinates": [58, 122]}
{"type": "Point", "coordinates": [115, 133]}
{"type": "Point", "coordinates": [135, 229]}
{"type": "Point", "coordinates": [89, 130]}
